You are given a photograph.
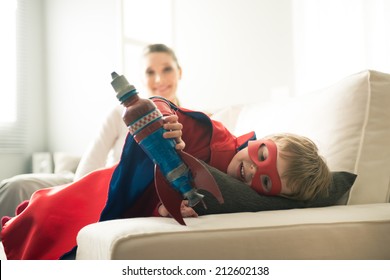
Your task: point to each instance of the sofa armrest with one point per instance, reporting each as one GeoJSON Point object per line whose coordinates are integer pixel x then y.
{"type": "Point", "coordinates": [336, 232]}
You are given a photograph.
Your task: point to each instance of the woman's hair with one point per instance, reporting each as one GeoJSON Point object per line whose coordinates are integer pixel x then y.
{"type": "Point", "coordinates": [306, 174]}
{"type": "Point", "coordinates": [161, 48]}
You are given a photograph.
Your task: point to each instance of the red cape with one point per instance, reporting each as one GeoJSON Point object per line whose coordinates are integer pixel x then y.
{"type": "Point", "coordinates": [72, 207]}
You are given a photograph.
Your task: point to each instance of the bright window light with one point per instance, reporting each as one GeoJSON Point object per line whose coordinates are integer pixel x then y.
{"type": "Point", "coordinates": [8, 62]}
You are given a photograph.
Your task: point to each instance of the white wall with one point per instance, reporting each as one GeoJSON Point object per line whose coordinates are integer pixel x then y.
{"type": "Point", "coordinates": [336, 38]}
{"type": "Point", "coordinates": [233, 51]}
{"type": "Point", "coordinates": [82, 49]}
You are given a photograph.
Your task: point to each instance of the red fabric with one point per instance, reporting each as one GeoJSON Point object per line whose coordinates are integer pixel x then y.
{"type": "Point", "coordinates": [146, 205]}
{"type": "Point", "coordinates": [76, 205]}
{"type": "Point", "coordinates": [216, 149]}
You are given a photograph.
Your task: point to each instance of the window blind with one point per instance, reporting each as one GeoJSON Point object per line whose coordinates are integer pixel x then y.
{"type": "Point", "coordinates": [14, 29]}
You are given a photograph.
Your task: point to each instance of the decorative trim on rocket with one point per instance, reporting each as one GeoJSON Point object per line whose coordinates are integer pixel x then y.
{"type": "Point", "coordinates": [177, 172]}
{"type": "Point", "coordinates": [144, 121]}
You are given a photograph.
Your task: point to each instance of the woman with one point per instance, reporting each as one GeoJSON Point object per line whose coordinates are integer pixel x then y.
{"type": "Point", "coordinates": [162, 72]}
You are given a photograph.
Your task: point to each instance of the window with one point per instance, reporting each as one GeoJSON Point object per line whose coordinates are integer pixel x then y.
{"type": "Point", "coordinates": [12, 127]}
{"type": "Point", "coordinates": [8, 62]}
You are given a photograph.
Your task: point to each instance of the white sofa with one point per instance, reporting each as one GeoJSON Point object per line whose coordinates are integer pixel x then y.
{"type": "Point", "coordinates": [350, 122]}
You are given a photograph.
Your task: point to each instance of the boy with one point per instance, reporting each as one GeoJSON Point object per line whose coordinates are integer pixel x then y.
{"type": "Point", "coordinates": [302, 174]}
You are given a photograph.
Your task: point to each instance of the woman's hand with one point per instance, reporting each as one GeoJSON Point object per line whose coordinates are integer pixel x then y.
{"type": "Point", "coordinates": [174, 130]}
{"type": "Point", "coordinates": [185, 210]}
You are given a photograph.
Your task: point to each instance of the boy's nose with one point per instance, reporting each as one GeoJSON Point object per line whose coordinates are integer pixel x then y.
{"type": "Point", "coordinates": [252, 169]}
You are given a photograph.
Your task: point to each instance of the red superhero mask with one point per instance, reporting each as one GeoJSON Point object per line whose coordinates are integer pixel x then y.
{"type": "Point", "coordinates": [266, 180]}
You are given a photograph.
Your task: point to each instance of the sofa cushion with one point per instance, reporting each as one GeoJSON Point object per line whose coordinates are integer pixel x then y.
{"type": "Point", "coordinates": [65, 163]}
{"type": "Point", "coordinates": [349, 121]}
{"type": "Point", "coordinates": [334, 233]}
{"type": "Point", "coordinates": [240, 197]}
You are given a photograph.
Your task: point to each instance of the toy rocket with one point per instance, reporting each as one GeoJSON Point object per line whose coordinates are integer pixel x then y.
{"type": "Point", "coordinates": [175, 171]}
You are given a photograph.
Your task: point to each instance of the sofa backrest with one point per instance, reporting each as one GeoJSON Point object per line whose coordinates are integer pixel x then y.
{"type": "Point", "coordinates": [349, 121]}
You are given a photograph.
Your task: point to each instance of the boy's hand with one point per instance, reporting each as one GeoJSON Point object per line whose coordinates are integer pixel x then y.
{"type": "Point", "coordinates": [174, 130]}
{"type": "Point", "coordinates": [185, 210]}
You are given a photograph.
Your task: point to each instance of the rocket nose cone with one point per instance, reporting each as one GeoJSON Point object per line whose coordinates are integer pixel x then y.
{"type": "Point", "coordinates": [114, 75]}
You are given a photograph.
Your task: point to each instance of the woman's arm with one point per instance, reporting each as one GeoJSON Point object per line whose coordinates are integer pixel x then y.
{"type": "Point", "coordinates": [112, 130]}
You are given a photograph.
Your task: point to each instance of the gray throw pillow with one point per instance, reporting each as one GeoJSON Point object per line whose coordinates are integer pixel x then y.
{"type": "Point", "coordinates": [240, 197]}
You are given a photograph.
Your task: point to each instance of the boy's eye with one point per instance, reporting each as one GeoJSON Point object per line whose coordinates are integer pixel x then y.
{"type": "Point", "coordinates": [266, 182]}
{"type": "Point", "coordinates": [263, 153]}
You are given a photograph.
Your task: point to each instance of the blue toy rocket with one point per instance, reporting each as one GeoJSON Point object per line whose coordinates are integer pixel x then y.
{"type": "Point", "coordinates": [177, 174]}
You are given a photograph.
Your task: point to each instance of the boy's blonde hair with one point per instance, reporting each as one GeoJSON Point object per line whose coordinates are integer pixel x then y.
{"type": "Point", "coordinates": [307, 174]}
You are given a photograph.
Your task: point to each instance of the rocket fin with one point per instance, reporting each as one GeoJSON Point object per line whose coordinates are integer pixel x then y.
{"type": "Point", "coordinates": [201, 176]}
{"type": "Point", "coordinates": [168, 196]}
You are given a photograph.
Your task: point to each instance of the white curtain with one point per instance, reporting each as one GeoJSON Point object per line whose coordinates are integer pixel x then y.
{"type": "Point", "coordinates": [337, 38]}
